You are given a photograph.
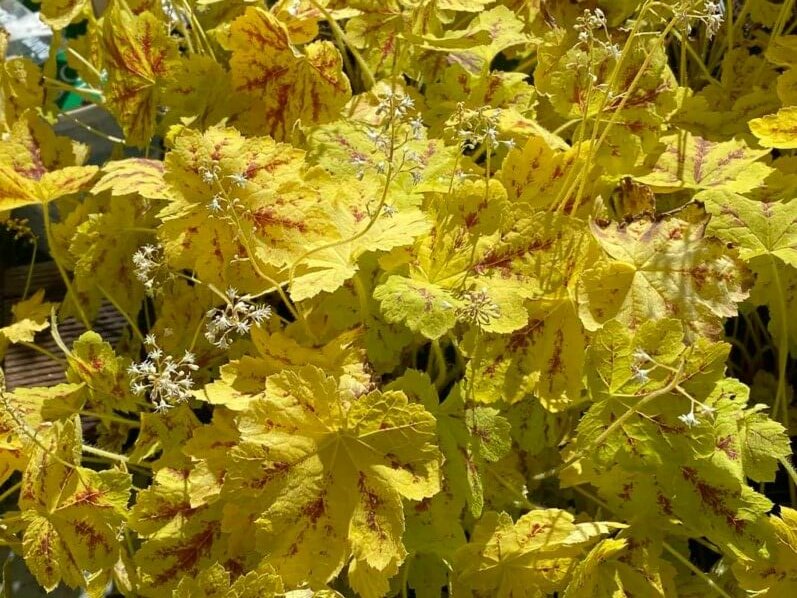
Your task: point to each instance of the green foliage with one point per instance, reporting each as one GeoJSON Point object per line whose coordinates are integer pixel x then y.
{"type": "Point", "coordinates": [421, 296]}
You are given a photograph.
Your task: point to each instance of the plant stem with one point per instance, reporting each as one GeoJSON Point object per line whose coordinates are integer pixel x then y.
{"type": "Point", "coordinates": [61, 271]}
{"type": "Point", "coordinates": [689, 565]}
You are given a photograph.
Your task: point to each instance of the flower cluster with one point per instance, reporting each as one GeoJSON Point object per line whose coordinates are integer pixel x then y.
{"type": "Point", "coordinates": [167, 380]}
{"type": "Point", "coordinates": [478, 309]}
{"type": "Point", "coordinates": [397, 128]}
{"type": "Point", "coordinates": [588, 25]}
{"type": "Point", "coordinates": [641, 357]}
{"type": "Point", "coordinates": [641, 376]}
{"type": "Point", "coordinates": [148, 264]}
{"type": "Point", "coordinates": [711, 13]}
{"type": "Point", "coordinates": [474, 128]}
{"type": "Point", "coordinates": [237, 317]}
{"type": "Point", "coordinates": [222, 202]}
{"type": "Point", "coordinates": [713, 16]}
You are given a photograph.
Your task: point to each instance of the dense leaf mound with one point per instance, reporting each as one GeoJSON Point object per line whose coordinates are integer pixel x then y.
{"type": "Point", "coordinates": [423, 297]}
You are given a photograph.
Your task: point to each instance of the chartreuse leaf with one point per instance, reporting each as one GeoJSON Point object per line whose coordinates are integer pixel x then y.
{"type": "Point", "coordinates": [456, 84]}
{"type": "Point", "coordinates": [469, 435]}
{"type": "Point", "coordinates": [102, 246]}
{"type": "Point", "coordinates": [536, 173]}
{"type": "Point", "coordinates": [775, 575]}
{"type": "Point", "coordinates": [164, 559]}
{"type": "Point", "coordinates": [283, 85]}
{"type": "Point", "coordinates": [545, 356]}
{"type": "Point", "coordinates": [756, 228]}
{"type": "Point", "coordinates": [321, 473]}
{"type": "Point", "coordinates": [20, 417]}
{"type": "Point", "coordinates": [139, 54]}
{"type": "Point", "coordinates": [623, 567]}
{"type": "Point", "coordinates": [165, 433]}
{"type": "Point", "coordinates": [565, 71]}
{"type": "Point", "coordinates": [59, 13]}
{"type": "Point", "coordinates": [638, 445]}
{"type": "Point", "coordinates": [244, 379]}
{"type": "Point", "coordinates": [721, 110]}
{"type": "Point", "coordinates": [233, 198]}
{"type": "Point", "coordinates": [766, 237]}
{"type": "Point", "coordinates": [327, 270]}
{"type": "Point", "coordinates": [94, 362]}
{"type": "Point", "coordinates": [691, 162]}
{"type": "Point", "coordinates": [663, 268]}
{"type": "Point", "coordinates": [476, 45]}
{"type": "Point", "coordinates": [139, 176]}
{"type": "Point", "coordinates": [214, 582]}
{"type": "Point", "coordinates": [423, 307]}
{"type": "Point", "coordinates": [29, 317]}
{"type": "Point", "coordinates": [72, 513]}
{"type": "Point", "coordinates": [36, 166]}
{"type": "Point", "coordinates": [198, 91]}
{"type": "Point", "coordinates": [533, 556]}
{"type": "Point", "coordinates": [777, 130]}
{"type": "Point", "coordinates": [776, 287]}
{"type": "Point", "coordinates": [20, 86]}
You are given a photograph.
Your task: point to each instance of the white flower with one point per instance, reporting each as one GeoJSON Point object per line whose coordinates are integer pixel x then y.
{"type": "Point", "coordinates": [389, 211]}
{"type": "Point", "coordinates": [209, 175]}
{"type": "Point", "coordinates": [707, 410]}
{"type": "Point", "coordinates": [215, 204]}
{"type": "Point", "coordinates": [147, 263]}
{"type": "Point", "coordinates": [479, 309]}
{"type": "Point", "coordinates": [167, 380]}
{"type": "Point", "coordinates": [689, 419]}
{"type": "Point", "coordinates": [237, 317]}
{"type": "Point", "coordinates": [239, 180]}
{"type": "Point", "coordinates": [713, 16]}
{"type": "Point", "coordinates": [641, 376]}
{"type": "Point", "coordinates": [416, 125]}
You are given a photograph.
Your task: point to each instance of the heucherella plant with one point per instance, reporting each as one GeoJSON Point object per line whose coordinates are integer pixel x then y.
{"type": "Point", "coordinates": [421, 298]}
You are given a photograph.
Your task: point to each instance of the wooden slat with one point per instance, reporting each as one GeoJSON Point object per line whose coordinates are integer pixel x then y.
{"type": "Point", "coordinates": [27, 367]}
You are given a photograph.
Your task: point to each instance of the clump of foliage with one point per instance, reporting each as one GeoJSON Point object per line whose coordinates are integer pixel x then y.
{"type": "Point", "coordinates": [426, 297]}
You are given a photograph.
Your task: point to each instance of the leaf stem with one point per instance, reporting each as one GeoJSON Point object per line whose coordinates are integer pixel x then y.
{"type": "Point", "coordinates": [612, 427]}
{"type": "Point", "coordinates": [702, 575]}
{"type": "Point", "coordinates": [337, 31]}
{"type": "Point", "coordinates": [61, 271]}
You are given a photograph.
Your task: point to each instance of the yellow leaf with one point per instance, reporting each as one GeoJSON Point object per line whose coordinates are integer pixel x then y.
{"type": "Point", "coordinates": [60, 13]}
{"type": "Point", "coordinates": [214, 582]}
{"type": "Point", "coordinates": [536, 173]}
{"type": "Point", "coordinates": [37, 166]}
{"type": "Point", "coordinates": [20, 88]}
{"type": "Point", "coordinates": [544, 358]}
{"type": "Point", "coordinates": [691, 162]}
{"type": "Point", "coordinates": [475, 46]}
{"type": "Point", "coordinates": [264, 209]}
{"type": "Point", "coordinates": [663, 269]}
{"type": "Point", "coordinates": [198, 90]}
{"type": "Point", "coordinates": [322, 473]}
{"type": "Point", "coordinates": [30, 316]}
{"type": "Point", "coordinates": [73, 512]}
{"type": "Point", "coordinates": [283, 85]}
{"type": "Point", "coordinates": [20, 418]}
{"type": "Point", "coordinates": [138, 176]}
{"type": "Point", "coordinates": [756, 228]}
{"type": "Point", "coordinates": [532, 557]}
{"type": "Point", "coordinates": [777, 130]}
{"type": "Point", "coordinates": [139, 53]}
{"type": "Point", "coordinates": [775, 575]}
{"type": "Point", "coordinates": [328, 269]}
